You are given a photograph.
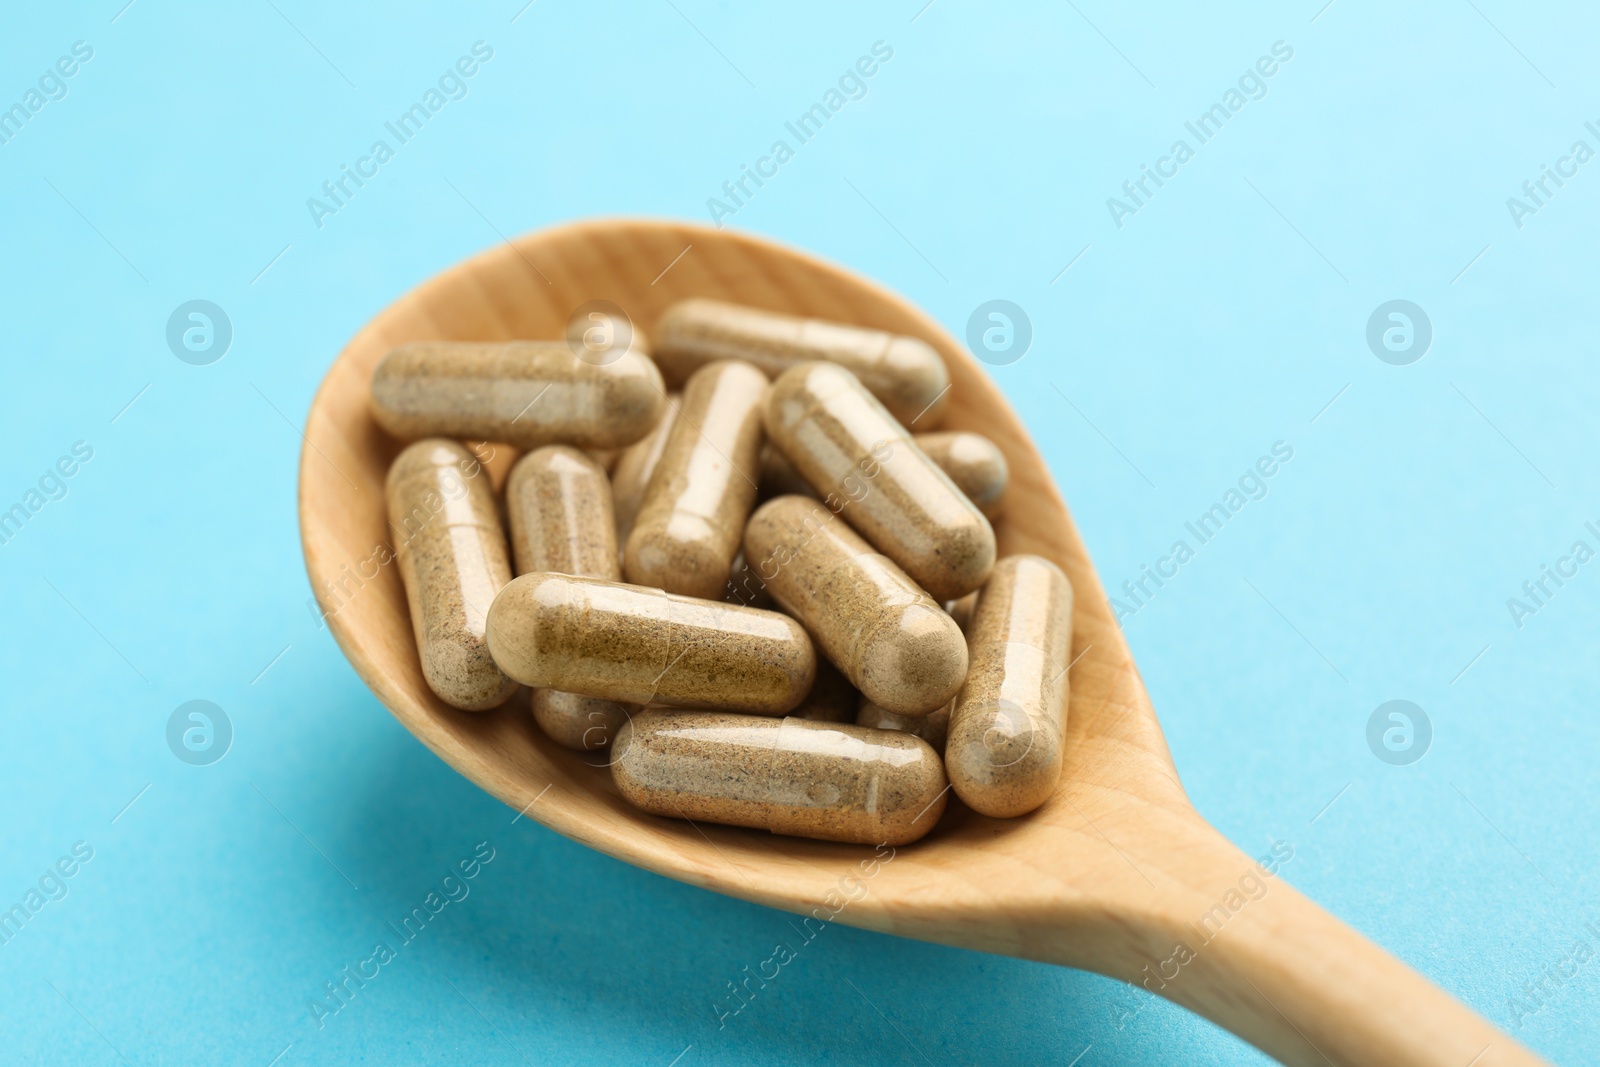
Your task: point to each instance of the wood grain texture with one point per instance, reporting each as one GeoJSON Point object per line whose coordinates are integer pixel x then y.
{"type": "Point", "coordinates": [1113, 874]}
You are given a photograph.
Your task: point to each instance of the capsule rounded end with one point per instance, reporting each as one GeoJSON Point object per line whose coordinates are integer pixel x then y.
{"type": "Point", "coordinates": [636, 397]}
{"type": "Point", "coordinates": [585, 724]}
{"type": "Point", "coordinates": [682, 324]}
{"type": "Point", "coordinates": [513, 628]}
{"type": "Point", "coordinates": [917, 792]}
{"type": "Point", "coordinates": [965, 559]}
{"type": "Point", "coordinates": [425, 459]}
{"type": "Point", "coordinates": [974, 463]}
{"type": "Point", "coordinates": [466, 678]}
{"type": "Point", "coordinates": [682, 555]}
{"type": "Point", "coordinates": [914, 663]}
{"type": "Point", "coordinates": [1002, 761]}
{"type": "Point", "coordinates": [797, 391]}
{"type": "Point", "coordinates": [633, 790]}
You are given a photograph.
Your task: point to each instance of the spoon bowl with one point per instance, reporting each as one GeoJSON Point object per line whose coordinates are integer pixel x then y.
{"type": "Point", "coordinates": [1116, 873]}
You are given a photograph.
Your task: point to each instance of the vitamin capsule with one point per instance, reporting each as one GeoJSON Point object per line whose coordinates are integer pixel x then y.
{"type": "Point", "coordinates": [525, 393]}
{"type": "Point", "coordinates": [559, 506]}
{"type": "Point", "coordinates": [791, 776]}
{"type": "Point", "coordinates": [894, 644]}
{"type": "Point", "coordinates": [1004, 750]}
{"type": "Point", "coordinates": [579, 722]}
{"type": "Point", "coordinates": [903, 372]}
{"type": "Point", "coordinates": [635, 465]}
{"type": "Point", "coordinates": [974, 463]}
{"type": "Point", "coordinates": [688, 528]}
{"type": "Point", "coordinates": [931, 728]}
{"type": "Point", "coordinates": [637, 645]}
{"type": "Point", "coordinates": [866, 466]}
{"type": "Point", "coordinates": [452, 556]}
{"type": "Point", "coordinates": [832, 697]}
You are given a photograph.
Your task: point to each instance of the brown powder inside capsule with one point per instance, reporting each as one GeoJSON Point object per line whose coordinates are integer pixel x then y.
{"type": "Point", "coordinates": [688, 529]}
{"type": "Point", "coordinates": [525, 393]}
{"type": "Point", "coordinates": [894, 644]}
{"type": "Point", "coordinates": [974, 463]}
{"type": "Point", "coordinates": [810, 779]}
{"type": "Point", "coordinates": [733, 650]}
{"type": "Point", "coordinates": [452, 557]}
{"type": "Point", "coordinates": [559, 505]}
{"type": "Point", "coordinates": [906, 374]}
{"type": "Point", "coordinates": [1004, 750]}
{"type": "Point", "coordinates": [634, 644]}
{"type": "Point", "coordinates": [865, 465]}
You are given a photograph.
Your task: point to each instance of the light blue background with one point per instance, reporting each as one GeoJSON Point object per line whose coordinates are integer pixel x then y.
{"type": "Point", "coordinates": [1221, 318]}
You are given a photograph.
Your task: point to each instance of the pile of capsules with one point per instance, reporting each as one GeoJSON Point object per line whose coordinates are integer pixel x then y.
{"type": "Point", "coordinates": [827, 664]}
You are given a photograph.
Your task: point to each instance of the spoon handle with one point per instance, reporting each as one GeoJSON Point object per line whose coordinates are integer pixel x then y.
{"type": "Point", "coordinates": [1248, 952]}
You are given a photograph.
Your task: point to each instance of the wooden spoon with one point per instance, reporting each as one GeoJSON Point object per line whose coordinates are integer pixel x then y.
{"type": "Point", "coordinates": [1117, 873]}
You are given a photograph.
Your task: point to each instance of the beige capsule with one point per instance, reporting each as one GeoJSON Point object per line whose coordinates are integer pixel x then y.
{"type": "Point", "coordinates": [832, 697]}
{"type": "Point", "coordinates": [638, 645]}
{"type": "Point", "coordinates": [574, 721]}
{"type": "Point", "coordinates": [688, 528]}
{"type": "Point", "coordinates": [974, 463]}
{"type": "Point", "coordinates": [865, 464]}
{"type": "Point", "coordinates": [636, 463]}
{"type": "Point", "coordinates": [896, 645]}
{"type": "Point", "coordinates": [559, 506]}
{"type": "Point", "coordinates": [1004, 752]}
{"type": "Point", "coordinates": [931, 728]}
{"type": "Point", "coordinates": [525, 393]}
{"type": "Point", "coordinates": [791, 776]}
{"type": "Point", "coordinates": [903, 372]}
{"type": "Point", "coordinates": [452, 556]}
